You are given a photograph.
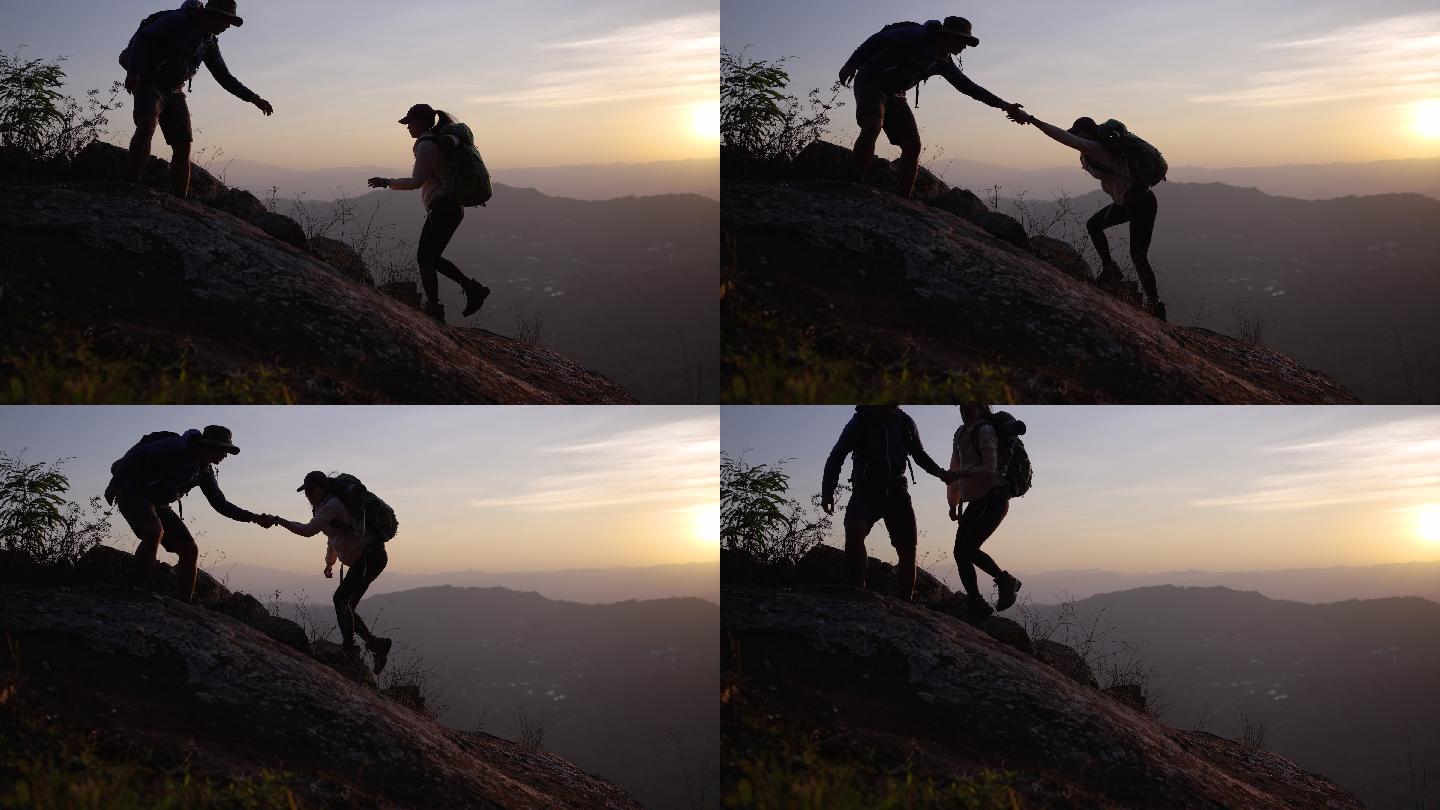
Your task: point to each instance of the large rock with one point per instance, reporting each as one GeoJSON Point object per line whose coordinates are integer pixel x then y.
{"type": "Point", "coordinates": [1005, 228]}
{"type": "Point", "coordinates": [826, 565]}
{"type": "Point", "coordinates": [961, 202]}
{"type": "Point", "coordinates": [283, 228]}
{"type": "Point", "coordinates": [155, 282]}
{"type": "Point", "coordinates": [162, 676]}
{"type": "Point", "coordinates": [1067, 661]}
{"type": "Point", "coordinates": [242, 607]}
{"type": "Point", "coordinates": [907, 280]}
{"type": "Point", "coordinates": [825, 161]}
{"type": "Point", "coordinates": [103, 161]}
{"type": "Point", "coordinates": [1062, 255]}
{"type": "Point", "coordinates": [284, 631]}
{"type": "Point", "coordinates": [342, 257]}
{"type": "Point", "coordinates": [241, 203]}
{"type": "Point", "coordinates": [350, 664]}
{"type": "Point", "coordinates": [854, 674]}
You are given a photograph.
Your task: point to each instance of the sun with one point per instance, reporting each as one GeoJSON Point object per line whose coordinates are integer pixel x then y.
{"type": "Point", "coordinates": [707, 524]}
{"type": "Point", "coordinates": [1427, 522]}
{"type": "Point", "coordinates": [705, 120]}
{"type": "Point", "coordinates": [1427, 119]}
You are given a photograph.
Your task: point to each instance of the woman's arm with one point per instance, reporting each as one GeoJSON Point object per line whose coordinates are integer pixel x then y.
{"type": "Point", "coordinates": [1091, 149]}
{"type": "Point", "coordinates": [426, 155]}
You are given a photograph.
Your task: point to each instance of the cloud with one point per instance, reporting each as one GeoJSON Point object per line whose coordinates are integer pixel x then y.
{"type": "Point", "coordinates": [1386, 463]}
{"type": "Point", "coordinates": [675, 60]}
{"type": "Point", "coordinates": [672, 465]}
{"type": "Point", "coordinates": [1389, 58]}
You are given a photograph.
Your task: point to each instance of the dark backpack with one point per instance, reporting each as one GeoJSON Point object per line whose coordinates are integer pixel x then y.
{"type": "Point", "coordinates": [881, 459]}
{"type": "Point", "coordinates": [369, 514]}
{"type": "Point", "coordinates": [1012, 461]}
{"type": "Point", "coordinates": [466, 178]}
{"type": "Point", "coordinates": [148, 438]}
{"type": "Point", "coordinates": [145, 23]}
{"type": "Point", "coordinates": [906, 80]}
{"type": "Point", "coordinates": [1147, 166]}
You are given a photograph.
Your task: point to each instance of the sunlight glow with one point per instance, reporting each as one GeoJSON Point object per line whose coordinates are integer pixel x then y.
{"type": "Point", "coordinates": [707, 523]}
{"type": "Point", "coordinates": [705, 120]}
{"type": "Point", "coordinates": [1427, 119]}
{"type": "Point", "coordinates": [1427, 522]}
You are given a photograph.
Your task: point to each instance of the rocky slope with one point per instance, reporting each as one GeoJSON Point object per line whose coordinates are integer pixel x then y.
{"type": "Point", "coordinates": [941, 710]}
{"type": "Point", "coordinates": [112, 280]}
{"type": "Point", "coordinates": [821, 273]}
{"type": "Point", "coordinates": [164, 686]}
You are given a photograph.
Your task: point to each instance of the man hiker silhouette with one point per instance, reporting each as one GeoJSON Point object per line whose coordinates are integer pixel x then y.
{"type": "Point", "coordinates": [886, 66]}
{"type": "Point", "coordinates": [361, 550]}
{"type": "Point", "coordinates": [159, 471]}
{"type": "Point", "coordinates": [164, 54]}
{"type": "Point", "coordinates": [975, 452]}
{"type": "Point", "coordinates": [1132, 199]}
{"type": "Point", "coordinates": [881, 439]}
{"type": "Point", "coordinates": [434, 149]}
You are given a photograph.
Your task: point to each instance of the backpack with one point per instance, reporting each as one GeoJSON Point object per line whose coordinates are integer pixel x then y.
{"type": "Point", "coordinates": [466, 178]}
{"type": "Point", "coordinates": [367, 511]}
{"type": "Point", "coordinates": [916, 80]}
{"type": "Point", "coordinates": [1013, 460]}
{"type": "Point", "coordinates": [148, 438]}
{"type": "Point", "coordinates": [1147, 166]}
{"type": "Point", "coordinates": [880, 460]}
{"type": "Point", "coordinates": [145, 23]}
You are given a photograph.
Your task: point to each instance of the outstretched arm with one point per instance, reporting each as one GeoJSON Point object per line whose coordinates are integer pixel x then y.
{"type": "Point", "coordinates": [427, 154]}
{"type": "Point", "coordinates": [966, 85]}
{"type": "Point", "coordinates": [216, 63]}
{"type": "Point", "coordinates": [217, 500]}
{"type": "Point", "coordinates": [917, 451]}
{"type": "Point", "coordinates": [1094, 150]}
{"type": "Point", "coordinates": [323, 516]}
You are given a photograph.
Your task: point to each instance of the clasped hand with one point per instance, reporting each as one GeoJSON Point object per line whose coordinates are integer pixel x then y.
{"type": "Point", "coordinates": [266, 521]}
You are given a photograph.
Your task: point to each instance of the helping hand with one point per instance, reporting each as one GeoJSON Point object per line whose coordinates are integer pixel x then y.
{"type": "Point", "coordinates": [329, 572]}
{"type": "Point", "coordinates": [847, 74]}
{"type": "Point", "coordinates": [131, 80]}
{"type": "Point", "coordinates": [1018, 115]}
{"type": "Point", "coordinates": [828, 505]}
{"type": "Point", "coordinates": [110, 494]}
{"type": "Point", "coordinates": [378, 182]}
{"type": "Point", "coordinates": [264, 106]}
{"type": "Point", "coordinates": [265, 521]}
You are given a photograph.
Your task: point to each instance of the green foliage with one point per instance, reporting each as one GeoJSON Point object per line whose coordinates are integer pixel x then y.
{"type": "Point", "coordinates": [68, 371]}
{"type": "Point", "coordinates": [758, 519]}
{"type": "Point", "coordinates": [40, 120]}
{"type": "Point", "coordinates": [758, 119]}
{"type": "Point", "coordinates": [37, 520]}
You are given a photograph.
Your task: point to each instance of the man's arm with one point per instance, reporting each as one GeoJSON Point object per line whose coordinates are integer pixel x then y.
{"type": "Point", "coordinates": [966, 85]}
{"type": "Point", "coordinates": [426, 156]}
{"type": "Point", "coordinates": [216, 64]}
{"type": "Point", "coordinates": [917, 451]}
{"type": "Point", "coordinates": [952, 489]}
{"type": "Point", "coordinates": [836, 460]}
{"type": "Point", "coordinates": [211, 488]}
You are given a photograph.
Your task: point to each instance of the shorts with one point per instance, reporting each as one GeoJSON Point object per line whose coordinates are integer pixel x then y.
{"type": "Point", "coordinates": [170, 106]}
{"type": "Point", "coordinates": [140, 512]}
{"type": "Point", "coordinates": [893, 507]}
{"type": "Point", "coordinates": [872, 100]}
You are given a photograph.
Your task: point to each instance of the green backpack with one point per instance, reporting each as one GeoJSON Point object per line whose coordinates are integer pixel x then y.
{"type": "Point", "coordinates": [369, 514]}
{"type": "Point", "coordinates": [466, 178]}
{"type": "Point", "coordinates": [1147, 166]}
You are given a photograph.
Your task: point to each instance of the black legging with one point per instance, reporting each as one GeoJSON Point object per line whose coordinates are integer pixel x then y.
{"type": "Point", "coordinates": [440, 225]}
{"type": "Point", "coordinates": [979, 520]}
{"type": "Point", "coordinates": [1139, 210]}
{"type": "Point", "coordinates": [353, 586]}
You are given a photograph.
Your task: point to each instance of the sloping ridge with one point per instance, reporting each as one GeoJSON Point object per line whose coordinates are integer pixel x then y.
{"type": "Point", "coordinates": [856, 671]}
{"type": "Point", "coordinates": [160, 281]}
{"type": "Point", "coordinates": [853, 266]}
{"type": "Point", "coordinates": [177, 677]}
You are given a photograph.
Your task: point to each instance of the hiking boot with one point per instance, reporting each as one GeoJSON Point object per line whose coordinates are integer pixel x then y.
{"type": "Point", "coordinates": [1008, 587]}
{"type": "Point", "coordinates": [436, 311]}
{"type": "Point", "coordinates": [978, 610]}
{"type": "Point", "coordinates": [475, 295]}
{"type": "Point", "coordinates": [380, 648]}
{"type": "Point", "coordinates": [1157, 308]}
{"type": "Point", "coordinates": [350, 649]}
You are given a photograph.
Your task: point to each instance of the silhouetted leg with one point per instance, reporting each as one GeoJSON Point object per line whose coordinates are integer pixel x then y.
{"type": "Point", "coordinates": [985, 563]}
{"type": "Point", "coordinates": [1142, 231]}
{"type": "Point", "coordinates": [440, 226]}
{"type": "Point", "coordinates": [145, 555]}
{"type": "Point", "coordinates": [908, 169]}
{"type": "Point", "coordinates": [140, 147]}
{"type": "Point", "coordinates": [864, 152]}
{"type": "Point", "coordinates": [180, 170]}
{"type": "Point", "coordinates": [352, 587]}
{"type": "Point", "coordinates": [1106, 217]}
{"type": "Point", "coordinates": [900, 524]}
{"type": "Point", "coordinates": [447, 269]}
{"type": "Point", "coordinates": [963, 556]}
{"type": "Point", "coordinates": [856, 529]}
{"type": "Point", "coordinates": [178, 541]}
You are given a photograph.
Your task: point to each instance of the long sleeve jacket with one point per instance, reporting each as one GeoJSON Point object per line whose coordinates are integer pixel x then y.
{"type": "Point", "coordinates": [904, 56]}
{"type": "Point", "coordinates": [170, 51]}
{"type": "Point", "coordinates": [167, 469]}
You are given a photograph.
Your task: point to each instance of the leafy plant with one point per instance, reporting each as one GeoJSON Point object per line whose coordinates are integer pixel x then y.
{"type": "Point", "coordinates": [758, 119]}
{"type": "Point", "coordinates": [41, 121]}
{"type": "Point", "coordinates": [759, 519]}
{"type": "Point", "coordinates": [38, 521]}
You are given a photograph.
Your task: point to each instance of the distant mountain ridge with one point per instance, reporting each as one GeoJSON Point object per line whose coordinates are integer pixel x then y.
{"type": "Point", "coordinates": [582, 182]}
{"type": "Point", "coordinates": [1314, 585]}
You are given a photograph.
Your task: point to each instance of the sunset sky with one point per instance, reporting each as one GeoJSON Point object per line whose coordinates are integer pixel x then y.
{"type": "Point", "coordinates": [1154, 489]}
{"type": "Point", "coordinates": [480, 488]}
{"type": "Point", "coordinates": [1216, 84]}
{"type": "Point", "coordinates": [542, 82]}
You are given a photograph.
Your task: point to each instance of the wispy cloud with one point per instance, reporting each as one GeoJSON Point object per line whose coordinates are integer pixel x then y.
{"type": "Point", "coordinates": [675, 59]}
{"type": "Point", "coordinates": [1390, 58]}
{"type": "Point", "coordinates": [1387, 463]}
{"type": "Point", "coordinates": [671, 465]}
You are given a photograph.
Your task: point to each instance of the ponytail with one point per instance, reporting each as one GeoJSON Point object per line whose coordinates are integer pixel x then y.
{"type": "Point", "coordinates": [443, 119]}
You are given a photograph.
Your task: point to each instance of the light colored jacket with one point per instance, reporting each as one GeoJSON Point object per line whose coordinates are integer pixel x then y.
{"type": "Point", "coordinates": [1113, 173]}
{"type": "Point", "coordinates": [427, 175]}
{"type": "Point", "coordinates": [332, 518]}
{"type": "Point", "coordinates": [964, 457]}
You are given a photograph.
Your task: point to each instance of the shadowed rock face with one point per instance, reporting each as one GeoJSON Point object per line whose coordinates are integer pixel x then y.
{"type": "Point", "coordinates": [855, 671]}
{"type": "Point", "coordinates": [177, 677]}
{"type": "Point", "coordinates": [156, 278]}
{"type": "Point", "coordinates": [851, 266]}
